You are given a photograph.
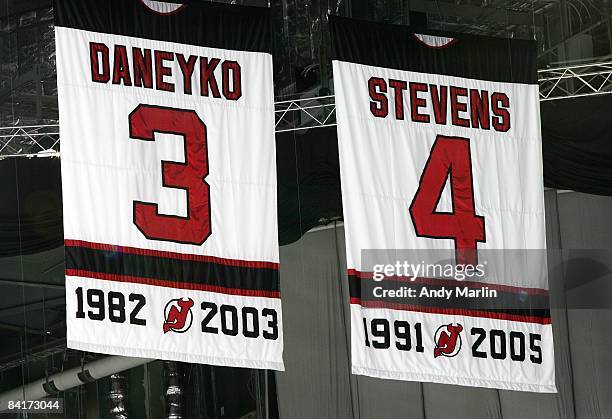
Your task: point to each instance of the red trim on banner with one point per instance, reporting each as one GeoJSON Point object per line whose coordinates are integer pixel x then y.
{"type": "Point", "coordinates": [150, 9]}
{"type": "Point", "coordinates": [449, 282]}
{"type": "Point", "coordinates": [171, 255]}
{"type": "Point", "coordinates": [452, 42]}
{"type": "Point", "coordinates": [451, 311]}
{"type": "Point", "coordinates": [171, 284]}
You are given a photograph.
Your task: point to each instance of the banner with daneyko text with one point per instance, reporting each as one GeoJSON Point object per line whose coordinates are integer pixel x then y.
{"type": "Point", "coordinates": [169, 181]}
{"type": "Point", "coordinates": [442, 191]}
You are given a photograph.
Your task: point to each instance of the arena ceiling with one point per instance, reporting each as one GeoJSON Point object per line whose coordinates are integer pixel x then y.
{"type": "Point", "coordinates": [566, 31]}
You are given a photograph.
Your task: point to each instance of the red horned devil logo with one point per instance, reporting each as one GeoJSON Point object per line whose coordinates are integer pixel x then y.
{"type": "Point", "coordinates": [448, 340]}
{"type": "Point", "coordinates": [178, 315]}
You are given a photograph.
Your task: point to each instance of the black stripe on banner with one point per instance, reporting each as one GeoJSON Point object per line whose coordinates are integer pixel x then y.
{"type": "Point", "coordinates": [201, 23]}
{"type": "Point", "coordinates": [507, 302]}
{"type": "Point", "coordinates": [168, 270]}
{"type": "Point", "coordinates": [470, 56]}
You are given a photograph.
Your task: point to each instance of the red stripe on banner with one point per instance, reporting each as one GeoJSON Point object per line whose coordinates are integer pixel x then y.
{"type": "Point", "coordinates": [171, 284]}
{"type": "Point", "coordinates": [451, 311]}
{"type": "Point", "coordinates": [171, 255]}
{"type": "Point", "coordinates": [449, 282]}
{"type": "Point", "coordinates": [448, 44]}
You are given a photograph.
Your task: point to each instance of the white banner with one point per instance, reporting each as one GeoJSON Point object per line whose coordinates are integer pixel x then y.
{"type": "Point", "coordinates": [434, 162]}
{"type": "Point", "coordinates": [169, 194]}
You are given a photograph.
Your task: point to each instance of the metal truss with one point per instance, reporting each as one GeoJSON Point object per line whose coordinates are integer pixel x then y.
{"type": "Point", "coordinates": [307, 113]}
{"type": "Point", "coordinates": [318, 112]}
{"type": "Point", "coordinates": [575, 81]}
{"type": "Point", "coordinates": [29, 141]}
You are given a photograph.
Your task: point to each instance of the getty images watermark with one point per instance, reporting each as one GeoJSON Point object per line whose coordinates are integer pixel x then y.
{"type": "Point", "coordinates": [495, 279]}
{"type": "Point", "coordinates": [430, 270]}
{"type": "Point", "coordinates": [420, 276]}
{"type": "Point", "coordinates": [511, 281]}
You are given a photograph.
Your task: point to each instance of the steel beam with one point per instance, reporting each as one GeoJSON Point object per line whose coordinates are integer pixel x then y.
{"type": "Point", "coordinates": [320, 111]}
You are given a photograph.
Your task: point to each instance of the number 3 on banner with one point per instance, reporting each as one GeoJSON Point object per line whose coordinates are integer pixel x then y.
{"type": "Point", "coordinates": [145, 120]}
{"type": "Point", "coordinates": [449, 155]}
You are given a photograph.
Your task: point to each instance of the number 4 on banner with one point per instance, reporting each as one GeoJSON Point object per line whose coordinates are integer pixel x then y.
{"type": "Point", "coordinates": [449, 156]}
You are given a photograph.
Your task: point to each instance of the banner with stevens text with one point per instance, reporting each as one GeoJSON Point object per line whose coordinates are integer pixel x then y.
{"type": "Point", "coordinates": [442, 190]}
{"type": "Point", "coordinates": [169, 181]}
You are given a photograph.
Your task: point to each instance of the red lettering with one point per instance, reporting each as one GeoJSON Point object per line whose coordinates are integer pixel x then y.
{"type": "Point", "coordinates": [143, 68]}
{"type": "Point", "coordinates": [398, 87]}
{"type": "Point", "coordinates": [379, 106]}
{"type": "Point", "coordinates": [499, 106]}
{"type": "Point", "coordinates": [121, 67]}
{"type": "Point", "coordinates": [416, 102]}
{"type": "Point", "coordinates": [449, 157]}
{"type": "Point", "coordinates": [236, 91]}
{"type": "Point", "coordinates": [97, 50]}
{"type": "Point", "coordinates": [187, 67]}
{"type": "Point", "coordinates": [439, 102]}
{"type": "Point", "coordinates": [189, 175]}
{"type": "Point", "coordinates": [207, 76]}
{"type": "Point", "coordinates": [161, 70]}
{"type": "Point", "coordinates": [479, 107]}
{"type": "Point", "coordinates": [456, 106]}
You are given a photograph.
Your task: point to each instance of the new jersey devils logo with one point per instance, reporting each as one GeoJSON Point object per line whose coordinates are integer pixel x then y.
{"type": "Point", "coordinates": [448, 340]}
{"type": "Point", "coordinates": [178, 315]}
